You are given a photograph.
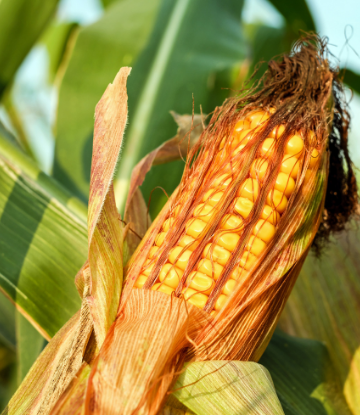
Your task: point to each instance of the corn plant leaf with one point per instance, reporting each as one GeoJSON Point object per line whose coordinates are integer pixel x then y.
{"type": "Point", "coordinates": [29, 345]}
{"type": "Point", "coordinates": [56, 39]}
{"type": "Point", "coordinates": [304, 376]}
{"type": "Point", "coordinates": [297, 15]}
{"type": "Point", "coordinates": [7, 323]}
{"type": "Point", "coordinates": [227, 387]}
{"type": "Point", "coordinates": [182, 60]}
{"type": "Point", "coordinates": [331, 314]}
{"type": "Point", "coordinates": [352, 79]}
{"type": "Point", "coordinates": [42, 242]}
{"type": "Point", "coordinates": [100, 50]}
{"type": "Point", "coordinates": [22, 22]}
{"type": "Point", "coordinates": [104, 227]}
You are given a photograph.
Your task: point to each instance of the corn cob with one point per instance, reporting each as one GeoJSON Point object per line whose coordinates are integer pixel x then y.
{"type": "Point", "coordinates": [217, 253]}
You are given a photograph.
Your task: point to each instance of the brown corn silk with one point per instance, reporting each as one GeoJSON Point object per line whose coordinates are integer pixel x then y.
{"type": "Point", "coordinates": [298, 92]}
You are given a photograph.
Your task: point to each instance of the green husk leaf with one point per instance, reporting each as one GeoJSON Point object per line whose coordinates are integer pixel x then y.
{"type": "Point", "coordinates": [227, 387]}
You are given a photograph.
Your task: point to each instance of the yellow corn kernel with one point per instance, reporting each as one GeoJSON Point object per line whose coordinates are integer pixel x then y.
{"type": "Point", "coordinates": [277, 199]}
{"type": "Point", "coordinates": [140, 281]}
{"type": "Point", "coordinates": [247, 260]}
{"type": "Point", "coordinates": [238, 149]}
{"type": "Point", "coordinates": [268, 148]}
{"type": "Point", "coordinates": [189, 242]}
{"type": "Point", "coordinates": [285, 184]}
{"type": "Point", "coordinates": [229, 287]}
{"type": "Point", "coordinates": [176, 211]}
{"type": "Point", "coordinates": [179, 257]}
{"type": "Point", "coordinates": [195, 298]}
{"type": "Point", "coordinates": [294, 145]}
{"type": "Point", "coordinates": [249, 189]}
{"type": "Point", "coordinates": [163, 288]}
{"type": "Point", "coordinates": [270, 214]}
{"type": "Point", "coordinates": [243, 137]}
{"type": "Point", "coordinates": [168, 223]}
{"type": "Point", "coordinates": [160, 238]}
{"type": "Point", "coordinates": [213, 313]}
{"type": "Point", "coordinates": [213, 197]}
{"type": "Point", "coordinates": [170, 275]}
{"type": "Point", "coordinates": [232, 222]}
{"type": "Point", "coordinates": [228, 240]}
{"type": "Point", "coordinates": [264, 230]}
{"type": "Point", "coordinates": [200, 282]}
{"type": "Point", "coordinates": [239, 273]}
{"type": "Point", "coordinates": [277, 131]}
{"type": "Point", "coordinates": [314, 158]}
{"type": "Point", "coordinates": [148, 267]}
{"type": "Point", "coordinates": [243, 206]}
{"type": "Point", "coordinates": [255, 245]}
{"type": "Point", "coordinates": [216, 253]}
{"type": "Point", "coordinates": [308, 174]}
{"type": "Point", "coordinates": [222, 182]}
{"type": "Point", "coordinates": [290, 165]}
{"type": "Point", "coordinates": [210, 268]}
{"type": "Point", "coordinates": [241, 125]}
{"type": "Point", "coordinates": [257, 118]}
{"type": "Point", "coordinates": [153, 251]}
{"type": "Point", "coordinates": [204, 212]}
{"type": "Point", "coordinates": [194, 227]}
{"type": "Point", "coordinates": [221, 301]}
{"type": "Point", "coordinates": [258, 169]}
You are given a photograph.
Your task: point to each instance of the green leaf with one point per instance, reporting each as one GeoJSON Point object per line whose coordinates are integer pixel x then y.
{"type": "Point", "coordinates": [304, 376]}
{"type": "Point", "coordinates": [7, 323]}
{"type": "Point", "coordinates": [56, 39]}
{"type": "Point", "coordinates": [227, 387]}
{"type": "Point", "coordinates": [182, 60]}
{"type": "Point", "coordinates": [29, 345]}
{"type": "Point", "coordinates": [43, 242]}
{"type": "Point", "coordinates": [297, 14]}
{"type": "Point", "coordinates": [324, 305]}
{"type": "Point", "coordinates": [352, 79]}
{"type": "Point", "coordinates": [100, 50]}
{"type": "Point", "coordinates": [21, 23]}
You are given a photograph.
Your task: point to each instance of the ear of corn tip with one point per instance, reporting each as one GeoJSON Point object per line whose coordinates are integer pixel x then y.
{"type": "Point", "coordinates": [217, 252]}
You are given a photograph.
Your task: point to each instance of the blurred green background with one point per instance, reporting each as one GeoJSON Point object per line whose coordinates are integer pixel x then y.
{"type": "Point", "coordinates": [57, 57]}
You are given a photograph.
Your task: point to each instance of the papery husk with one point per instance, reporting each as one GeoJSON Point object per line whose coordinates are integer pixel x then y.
{"type": "Point", "coordinates": [142, 353]}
